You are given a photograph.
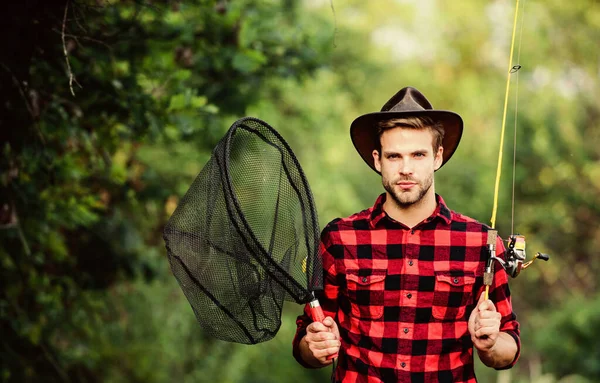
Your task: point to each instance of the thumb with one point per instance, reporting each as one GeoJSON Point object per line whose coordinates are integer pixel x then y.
{"type": "Point", "coordinates": [481, 300]}
{"type": "Point", "coordinates": [484, 304]}
{"type": "Point", "coordinates": [481, 297]}
{"type": "Point", "coordinates": [329, 322]}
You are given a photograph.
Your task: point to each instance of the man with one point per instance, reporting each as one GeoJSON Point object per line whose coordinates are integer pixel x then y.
{"type": "Point", "coordinates": [403, 280]}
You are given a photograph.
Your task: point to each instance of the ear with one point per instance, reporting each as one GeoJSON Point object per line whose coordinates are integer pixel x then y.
{"type": "Point", "coordinates": [377, 160]}
{"type": "Point", "coordinates": [438, 158]}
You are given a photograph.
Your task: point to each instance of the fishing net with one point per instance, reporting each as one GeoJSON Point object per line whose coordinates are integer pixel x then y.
{"type": "Point", "coordinates": [244, 238]}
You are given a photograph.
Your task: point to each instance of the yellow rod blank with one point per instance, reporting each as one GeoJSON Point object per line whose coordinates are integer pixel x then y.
{"type": "Point", "coordinates": [499, 168]}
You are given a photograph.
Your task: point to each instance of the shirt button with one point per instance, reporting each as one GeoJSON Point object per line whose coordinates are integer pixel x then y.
{"type": "Point", "coordinates": [410, 263]}
{"type": "Point", "coordinates": [406, 330]}
{"type": "Point", "coordinates": [364, 279]}
{"type": "Point", "coordinates": [403, 364]}
{"type": "Point", "coordinates": [455, 280]}
{"type": "Point", "coordinates": [409, 295]}
{"type": "Point", "coordinates": [412, 231]}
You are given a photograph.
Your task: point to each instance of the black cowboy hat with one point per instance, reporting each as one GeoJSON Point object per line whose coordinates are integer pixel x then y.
{"type": "Point", "coordinates": [408, 102]}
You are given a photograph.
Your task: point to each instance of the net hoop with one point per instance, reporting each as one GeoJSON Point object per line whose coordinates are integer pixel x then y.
{"type": "Point", "coordinates": [310, 222]}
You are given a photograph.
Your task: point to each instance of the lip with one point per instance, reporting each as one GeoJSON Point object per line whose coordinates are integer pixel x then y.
{"type": "Point", "coordinates": [406, 185]}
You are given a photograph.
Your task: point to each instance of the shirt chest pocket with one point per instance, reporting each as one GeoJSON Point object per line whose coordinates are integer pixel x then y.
{"type": "Point", "coordinates": [366, 293]}
{"type": "Point", "coordinates": [453, 291]}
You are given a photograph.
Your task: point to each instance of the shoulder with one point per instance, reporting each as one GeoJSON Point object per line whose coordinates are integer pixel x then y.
{"type": "Point", "coordinates": [351, 222]}
{"type": "Point", "coordinates": [459, 217]}
{"type": "Point", "coordinates": [463, 223]}
{"type": "Point", "coordinates": [356, 221]}
{"type": "Point", "coordinates": [467, 223]}
{"type": "Point", "coordinates": [458, 221]}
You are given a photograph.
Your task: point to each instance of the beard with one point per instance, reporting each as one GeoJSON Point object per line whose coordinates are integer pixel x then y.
{"type": "Point", "coordinates": [406, 198]}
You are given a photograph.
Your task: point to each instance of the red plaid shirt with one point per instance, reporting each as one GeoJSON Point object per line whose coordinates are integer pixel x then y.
{"type": "Point", "coordinates": [402, 297]}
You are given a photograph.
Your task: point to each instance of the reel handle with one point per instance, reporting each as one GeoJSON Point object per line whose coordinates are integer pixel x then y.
{"type": "Point", "coordinates": [542, 256]}
{"type": "Point", "coordinates": [316, 313]}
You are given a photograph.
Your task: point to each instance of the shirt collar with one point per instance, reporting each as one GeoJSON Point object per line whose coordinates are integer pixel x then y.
{"type": "Point", "coordinates": [378, 214]}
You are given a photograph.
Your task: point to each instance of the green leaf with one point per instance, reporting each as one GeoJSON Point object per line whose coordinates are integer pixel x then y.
{"type": "Point", "coordinates": [248, 61]}
{"type": "Point", "coordinates": [178, 102]}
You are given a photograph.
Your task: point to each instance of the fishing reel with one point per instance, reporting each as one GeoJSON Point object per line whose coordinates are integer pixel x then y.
{"type": "Point", "coordinates": [515, 256]}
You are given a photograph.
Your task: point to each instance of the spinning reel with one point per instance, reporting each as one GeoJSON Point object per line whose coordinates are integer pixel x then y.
{"type": "Point", "coordinates": [515, 257]}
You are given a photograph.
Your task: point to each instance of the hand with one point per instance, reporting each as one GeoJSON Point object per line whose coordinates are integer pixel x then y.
{"type": "Point", "coordinates": [484, 325]}
{"type": "Point", "coordinates": [323, 339]}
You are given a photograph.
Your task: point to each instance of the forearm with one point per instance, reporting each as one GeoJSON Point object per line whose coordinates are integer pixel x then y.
{"type": "Point", "coordinates": [501, 354]}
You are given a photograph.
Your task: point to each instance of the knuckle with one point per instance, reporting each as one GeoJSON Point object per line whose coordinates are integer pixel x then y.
{"type": "Point", "coordinates": [332, 344]}
{"type": "Point", "coordinates": [323, 336]}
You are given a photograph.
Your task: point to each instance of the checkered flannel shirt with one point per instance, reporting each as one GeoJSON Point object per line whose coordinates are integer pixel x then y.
{"type": "Point", "coordinates": [402, 297]}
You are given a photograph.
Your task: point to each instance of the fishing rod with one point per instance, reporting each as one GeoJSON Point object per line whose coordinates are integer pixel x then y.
{"type": "Point", "coordinates": [515, 254]}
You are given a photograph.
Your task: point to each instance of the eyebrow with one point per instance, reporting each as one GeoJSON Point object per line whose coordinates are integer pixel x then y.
{"type": "Point", "coordinates": [418, 151]}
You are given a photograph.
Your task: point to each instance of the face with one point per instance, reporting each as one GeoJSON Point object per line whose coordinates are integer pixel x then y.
{"type": "Point", "coordinates": [407, 163]}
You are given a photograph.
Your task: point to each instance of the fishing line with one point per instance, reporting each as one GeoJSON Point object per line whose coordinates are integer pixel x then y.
{"type": "Point", "coordinates": [510, 71]}
{"type": "Point", "coordinates": [514, 168]}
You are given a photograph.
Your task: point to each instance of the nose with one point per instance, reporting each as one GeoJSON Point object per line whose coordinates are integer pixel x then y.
{"type": "Point", "coordinates": [406, 167]}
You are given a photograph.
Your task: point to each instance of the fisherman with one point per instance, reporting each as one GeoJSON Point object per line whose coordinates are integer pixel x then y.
{"type": "Point", "coordinates": [403, 280]}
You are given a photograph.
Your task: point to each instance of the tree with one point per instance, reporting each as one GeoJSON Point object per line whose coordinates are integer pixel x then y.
{"type": "Point", "coordinates": [104, 101]}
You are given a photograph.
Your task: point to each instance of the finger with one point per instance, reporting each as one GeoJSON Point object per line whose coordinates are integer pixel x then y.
{"type": "Point", "coordinates": [323, 336]}
{"type": "Point", "coordinates": [489, 314]}
{"type": "Point", "coordinates": [334, 329]}
{"type": "Point", "coordinates": [324, 344]}
{"type": "Point", "coordinates": [489, 332]}
{"type": "Point", "coordinates": [332, 350]}
{"type": "Point", "coordinates": [322, 358]}
{"type": "Point", "coordinates": [490, 323]}
{"type": "Point", "coordinates": [487, 317]}
{"type": "Point", "coordinates": [328, 321]}
{"type": "Point", "coordinates": [315, 327]}
{"type": "Point", "coordinates": [332, 344]}
{"type": "Point", "coordinates": [324, 353]}
{"type": "Point", "coordinates": [487, 305]}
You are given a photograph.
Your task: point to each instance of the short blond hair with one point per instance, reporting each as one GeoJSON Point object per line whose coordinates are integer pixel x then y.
{"type": "Point", "coordinates": [421, 122]}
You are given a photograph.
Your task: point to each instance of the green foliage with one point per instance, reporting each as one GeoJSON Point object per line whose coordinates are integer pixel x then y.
{"type": "Point", "coordinates": [88, 181]}
{"type": "Point", "coordinates": [569, 339]}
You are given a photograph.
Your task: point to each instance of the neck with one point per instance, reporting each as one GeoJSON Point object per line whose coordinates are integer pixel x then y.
{"type": "Point", "coordinates": [411, 215]}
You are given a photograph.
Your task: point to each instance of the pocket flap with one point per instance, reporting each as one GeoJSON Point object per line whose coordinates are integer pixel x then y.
{"type": "Point", "coordinates": [456, 279]}
{"type": "Point", "coordinates": [374, 277]}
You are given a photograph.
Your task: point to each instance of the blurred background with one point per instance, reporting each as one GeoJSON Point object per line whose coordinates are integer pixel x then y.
{"type": "Point", "coordinates": [109, 109]}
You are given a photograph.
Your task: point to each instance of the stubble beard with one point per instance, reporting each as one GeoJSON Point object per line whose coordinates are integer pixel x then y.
{"type": "Point", "coordinates": [405, 199]}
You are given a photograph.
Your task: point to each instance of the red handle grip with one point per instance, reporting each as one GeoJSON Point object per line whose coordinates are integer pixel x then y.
{"type": "Point", "coordinates": [316, 313]}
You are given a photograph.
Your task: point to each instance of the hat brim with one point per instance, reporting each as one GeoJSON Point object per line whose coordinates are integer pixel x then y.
{"type": "Point", "coordinates": [363, 131]}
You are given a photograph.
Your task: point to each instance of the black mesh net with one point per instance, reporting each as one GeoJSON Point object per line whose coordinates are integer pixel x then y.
{"type": "Point", "coordinates": [244, 238]}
